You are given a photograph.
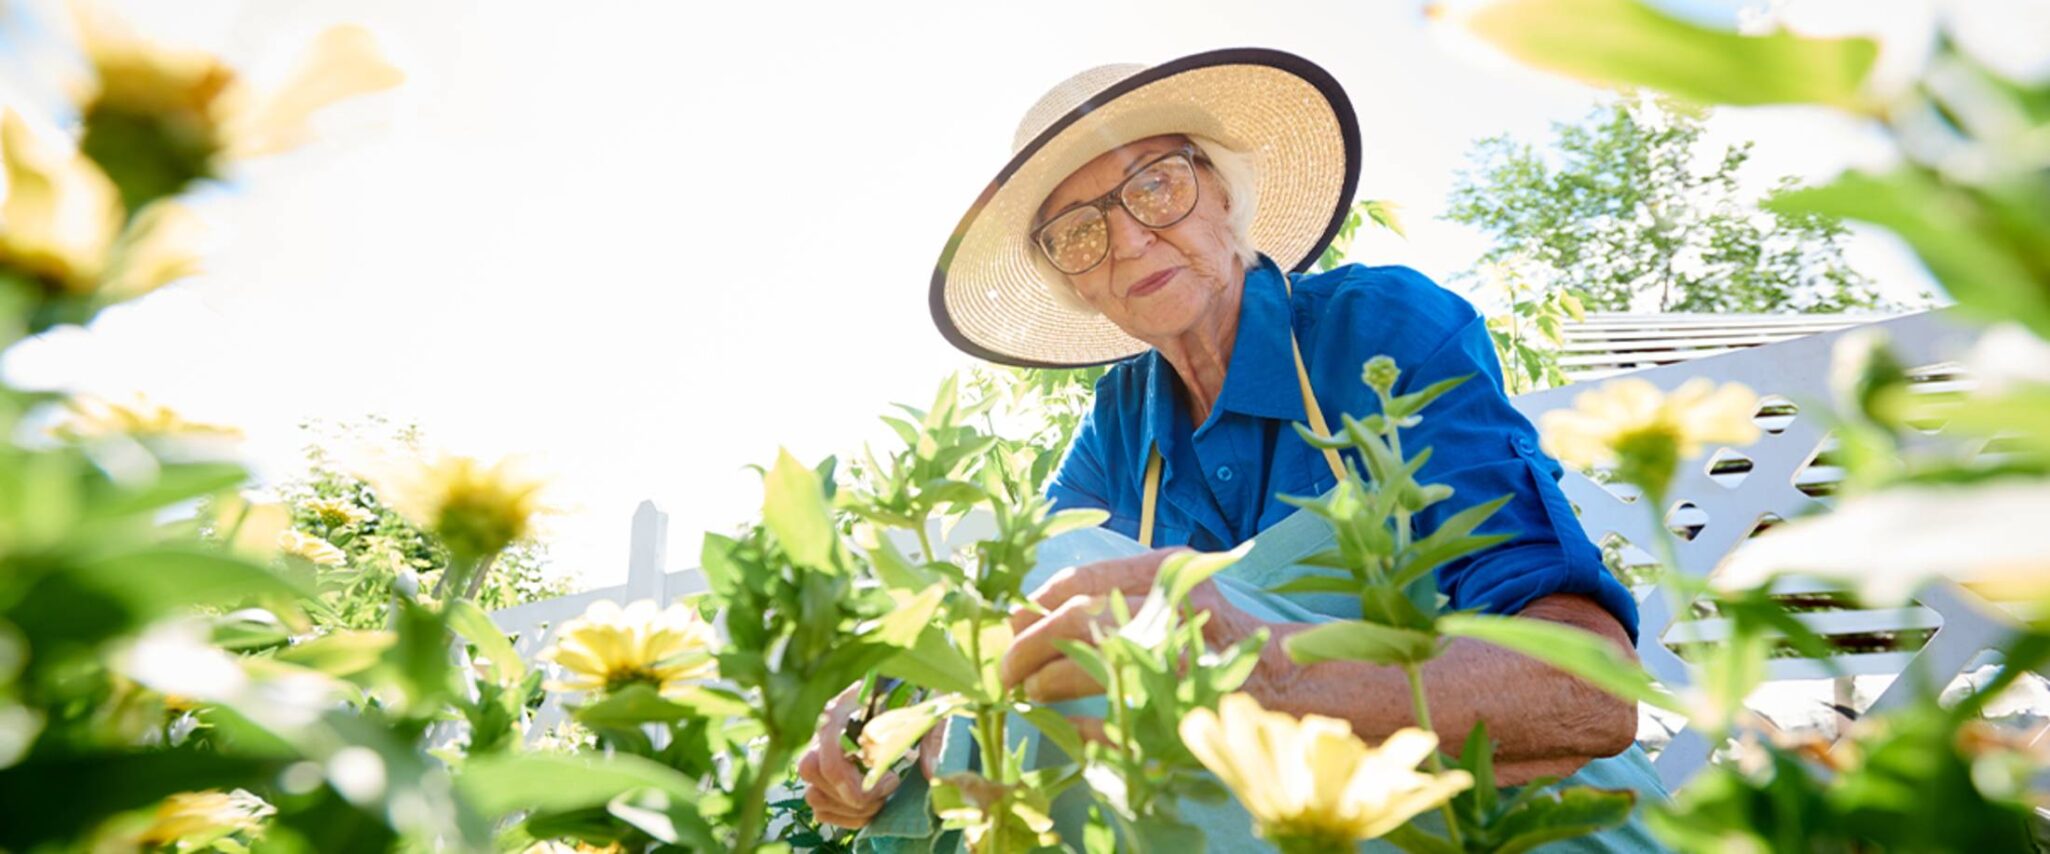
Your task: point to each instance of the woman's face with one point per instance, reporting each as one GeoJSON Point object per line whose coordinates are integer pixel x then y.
{"type": "Point", "coordinates": [1153, 284]}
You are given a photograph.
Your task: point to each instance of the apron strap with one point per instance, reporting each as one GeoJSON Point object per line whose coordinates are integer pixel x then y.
{"type": "Point", "coordinates": [1150, 498]}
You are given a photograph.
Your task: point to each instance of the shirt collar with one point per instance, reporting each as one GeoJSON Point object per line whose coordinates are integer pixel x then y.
{"type": "Point", "coordinates": [1260, 381]}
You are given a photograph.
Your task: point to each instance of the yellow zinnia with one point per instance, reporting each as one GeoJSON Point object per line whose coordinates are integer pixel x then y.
{"type": "Point", "coordinates": [60, 214]}
{"type": "Point", "coordinates": [1311, 781]}
{"type": "Point", "coordinates": [337, 512]}
{"type": "Point", "coordinates": [1643, 433]}
{"type": "Point", "coordinates": [200, 817]}
{"type": "Point", "coordinates": [90, 418]}
{"type": "Point", "coordinates": [476, 509]}
{"type": "Point", "coordinates": [188, 109]}
{"type": "Point", "coordinates": [610, 647]}
{"type": "Point", "coordinates": [312, 548]}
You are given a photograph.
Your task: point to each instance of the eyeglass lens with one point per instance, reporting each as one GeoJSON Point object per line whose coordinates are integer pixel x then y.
{"type": "Point", "coordinates": [1157, 197]}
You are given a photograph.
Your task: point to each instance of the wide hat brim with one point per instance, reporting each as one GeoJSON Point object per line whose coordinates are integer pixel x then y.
{"type": "Point", "coordinates": [987, 296]}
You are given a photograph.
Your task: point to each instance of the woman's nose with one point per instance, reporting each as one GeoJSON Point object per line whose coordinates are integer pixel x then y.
{"type": "Point", "coordinates": [1128, 239]}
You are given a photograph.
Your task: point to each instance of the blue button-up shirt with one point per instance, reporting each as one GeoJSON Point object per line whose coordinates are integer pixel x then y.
{"type": "Point", "coordinates": [1219, 479]}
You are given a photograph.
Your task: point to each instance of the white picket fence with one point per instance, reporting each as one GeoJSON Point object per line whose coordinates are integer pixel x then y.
{"type": "Point", "coordinates": [1721, 499]}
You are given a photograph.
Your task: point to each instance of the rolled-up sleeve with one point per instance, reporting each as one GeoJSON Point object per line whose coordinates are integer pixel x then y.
{"type": "Point", "coordinates": [1484, 449]}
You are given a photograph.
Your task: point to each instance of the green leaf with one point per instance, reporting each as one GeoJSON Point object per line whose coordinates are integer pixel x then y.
{"type": "Point", "coordinates": [1317, 584]}
{"type": "Point", "coordinates": [1581, 653]}
{"type": "Point", "coordinates": [670, 821]}
{"type": "Point", "coordinates": [1410, 839]}
{"type": "Point", "coordinates": [1182, 571]}
{"type": "Point", "coordinates": [1087, 657]}
{"type": "Point", "coordinates": [912, 614]}
{"type": "Point", "coordinates": [1356, 641]}
{"type": "Point", "coordinates": [343, 653]}
{"type": "Point", "coordinates": [1414, 402]}
{"type": "Point", "coordinates": [504, 782]}
{"type": "Point", "coordinates": [630, 707]}
{"type": "Point", "coordinates": [174, 483]}
{"type": "Point", "coordinates": [1163, 835]}
{"type": "Point", "coordinates": [1478, 758]}
{"type": "Point", "coordinates": [1947, 229]}
{"type": "Point", "coordinates": [711, 702]}
{"type": "Point", "coordinates": [1577, 811]}
{"type": "Point", "coordinates": [476, 627]}
{"type": "Point", "coordinates": [1074, 520]}
{"type": "Point", "coordinates": [891, 567]}
{"type": "Point", "coordinates": [165, 578]}
{"type": "Point", "coordinates": [1632, 43]}
{"type": "Point", "coordinates": [1055, 726]}
{"type": "Point", "coordinates": [932, 662]}
{"type": "Point", "coordinates": [794, 508]}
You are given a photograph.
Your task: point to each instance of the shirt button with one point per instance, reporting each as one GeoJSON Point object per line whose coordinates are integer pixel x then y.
{"type": "Point", "coordinates": [1224, 472]}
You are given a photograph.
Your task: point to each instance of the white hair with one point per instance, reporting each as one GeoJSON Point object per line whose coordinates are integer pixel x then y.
{"type": "Point", "coordinates": [1237, 171]}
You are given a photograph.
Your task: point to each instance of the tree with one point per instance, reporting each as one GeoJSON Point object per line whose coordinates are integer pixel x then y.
{"type": "Point", "coordinates": [1621, 210]}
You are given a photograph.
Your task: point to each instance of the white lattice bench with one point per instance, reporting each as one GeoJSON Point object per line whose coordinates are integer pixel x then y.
{"type": "Point", "coordinates": [1726, 495]}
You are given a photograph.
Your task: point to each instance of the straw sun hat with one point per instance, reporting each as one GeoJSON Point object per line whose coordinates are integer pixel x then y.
{"type": "Point", "coordinates": [1290, 115]}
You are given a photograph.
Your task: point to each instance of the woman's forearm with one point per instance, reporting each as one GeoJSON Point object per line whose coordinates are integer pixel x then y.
{"type": "Point", "coordinates": [1542, 720]}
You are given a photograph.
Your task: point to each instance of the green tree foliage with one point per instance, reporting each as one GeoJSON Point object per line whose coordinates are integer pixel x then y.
{"type": "Point", "coordinates": [1625, 209]}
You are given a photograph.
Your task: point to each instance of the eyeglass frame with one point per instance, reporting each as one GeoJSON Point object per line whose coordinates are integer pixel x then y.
{"type": "Point", "coordinates": [1102, 204]}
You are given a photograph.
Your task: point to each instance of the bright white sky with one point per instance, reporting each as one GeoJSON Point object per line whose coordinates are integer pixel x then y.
{"type": "Point", "coordinates": [648, 243]}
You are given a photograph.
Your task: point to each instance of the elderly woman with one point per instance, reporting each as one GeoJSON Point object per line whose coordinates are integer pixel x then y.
{"type": "Point", "coordinates": [1151, 217]}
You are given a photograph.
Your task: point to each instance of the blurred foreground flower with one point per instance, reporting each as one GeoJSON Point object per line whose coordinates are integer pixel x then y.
{"type": "Point", "coordinates": [198, 818]}
{"type": "Point", "coordinates": [60, 214]}
{"type": "Point", "coordinates": [1311, 784]}
{"type": "Point", "coordinates": [89, 418]}
{"type": "Point", "coordinates": [1644, 434]}
{"type": "Point", "coordinates": [475, 509]}
{"type": "Point", "coordinates": [312, 548]}
{"type": "Point", "coordinates": [1987, 537]}
{"type": "Point", "coordinates": [159, 118]}
{"type": "Point", "coordinates": [609, 648]}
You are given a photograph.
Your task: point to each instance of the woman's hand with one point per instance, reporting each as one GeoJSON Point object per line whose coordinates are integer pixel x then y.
{"type": "Point", "coordinates": [832, 780]}
{"type": "Point", "coordinates": [1077, 601]}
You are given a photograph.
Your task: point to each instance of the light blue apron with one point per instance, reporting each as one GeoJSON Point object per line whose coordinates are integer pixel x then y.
{"type": "Point", "coordinates": [906, 823]}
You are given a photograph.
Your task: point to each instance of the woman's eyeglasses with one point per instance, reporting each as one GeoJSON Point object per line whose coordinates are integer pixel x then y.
{"type": "Point", "coordinates": [1158, 195]}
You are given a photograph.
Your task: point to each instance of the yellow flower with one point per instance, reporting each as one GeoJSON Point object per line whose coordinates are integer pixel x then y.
{"type": "Point", "coordinates": [610, 647]}
{"type": "Point", "coordinates": [89, 418]}
{"type": "Point", "coordinates": [1630, 425]}
{"type": "Point", "coordinates": [193, 107]}
{"type": "Point", "coordinates": [1311, 780]}
{"type": "Point", "coordinates": [203, 816]}
{"type": "Point", "coordinates": [475, 509]}
{"type": "Point", "coordinates": [337, 512]}
{"type": "Point", "coordinates": [312, 548]}
{"type": "Point", "coordinates": [60, 214]}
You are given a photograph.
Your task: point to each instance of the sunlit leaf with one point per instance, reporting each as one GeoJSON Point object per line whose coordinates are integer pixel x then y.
{"type": "Point", "coordinates": [1579, 652]}
{"type": "Point", "coordinates": [1356, 641]}
{"type": "Point", "coordinates": [794, 508]}
{"type": "Point", "coordinates": [1633, 43]}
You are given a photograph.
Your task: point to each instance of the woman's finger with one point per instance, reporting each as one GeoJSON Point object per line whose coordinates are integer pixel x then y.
{"type": "Point", "coordinates": [1061, 680]}
{"type": "Point", "coordinates": [1091, 729]}
{"type": "Point", "coordinates": [830, 811]}
{"type": "Point", "coordinates": [1034, 647]}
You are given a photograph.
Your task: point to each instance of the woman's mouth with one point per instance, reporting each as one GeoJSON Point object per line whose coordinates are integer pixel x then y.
{"type": "Point", "coordinates": [1151, 283]}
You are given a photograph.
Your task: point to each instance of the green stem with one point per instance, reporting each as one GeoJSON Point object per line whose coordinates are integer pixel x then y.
{"type": "Point", "coordinates": [754, 805]}
{"type": "Point", "coordinates": [924, 541]}
{"type": "Point", "coordinates": [1415, 674]}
